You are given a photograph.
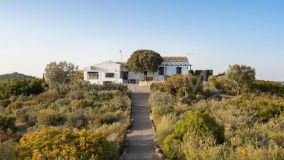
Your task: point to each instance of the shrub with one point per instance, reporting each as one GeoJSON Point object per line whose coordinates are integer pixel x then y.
{"type": "Point", "coordinates": [4, 103]}
{"type": "Point", "coordinates": [7, 122]}
{"type": "Point", "coordinates": [192, 131]}
{"type": "Point", "coordinates": [46, 97]}
{"type": "Point", "coordinates": [18, 104]}
{"type": "Point", "coordinates": [241, 76]}
{"type": "Point", "coordinates": [115, 132]}
{"type": "Point", "coordinates": [66, 144]}
{"type": "Point", "coordinates": [109, 118]}
{"type": "Point", "coordinates": [112, 86]}
{"type": "Point", "coordinates": [49, 117]}
{"type": "Point", "coordinates": [22, 115]}
{"type": "Point", "coordinates": [269, 87]}
{"type": "Point", "coordinates": [20, 87]}
{"type": "Point", "coordinates": [222, 84]}
{"type": "Point", "coordinates": [76, 95]}
{"type": "Point", "coordinates": [8, 150]}
{"type": "Point", "coordinates": [159, 99]}
{"type": "Point", "coordinates": [161, 104]}
{"type": "Point", "coordinates": [77, 119]}
{"type": "Point", "coordinates": [157, 87]}
{"type": "Point", "coordinates": [164, 127]}
{"type": "Point", "coordinates": [77, 104]}
{"type": "Point", "coordinates": [182, 85]}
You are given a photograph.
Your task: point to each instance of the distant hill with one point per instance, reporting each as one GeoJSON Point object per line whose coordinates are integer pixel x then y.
{"type": "Point", "coordinates": [15, 75]}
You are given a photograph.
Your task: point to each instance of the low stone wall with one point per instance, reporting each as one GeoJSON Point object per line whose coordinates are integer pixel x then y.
{"type": "Point", "coordinates": [148, 83]}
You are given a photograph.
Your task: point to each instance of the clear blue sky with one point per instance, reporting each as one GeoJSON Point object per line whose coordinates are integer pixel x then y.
{"type": "Point", "coordinates": [217, 32]}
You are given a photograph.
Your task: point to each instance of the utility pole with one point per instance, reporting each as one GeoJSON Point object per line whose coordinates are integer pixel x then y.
{"type": "Point", "coordinates": [120, 55]}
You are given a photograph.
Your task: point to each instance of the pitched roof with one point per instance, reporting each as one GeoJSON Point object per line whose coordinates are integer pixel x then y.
{"type": "Point", "coordinates": [175, 59]}
{"type": "Point", "coordinates": [121, 63]}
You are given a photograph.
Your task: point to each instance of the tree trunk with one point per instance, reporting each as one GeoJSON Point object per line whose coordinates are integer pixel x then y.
{"type": "Point", "coordinates": [145, 74]}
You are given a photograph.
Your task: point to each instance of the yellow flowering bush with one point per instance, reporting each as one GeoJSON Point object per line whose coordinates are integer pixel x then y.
{"type": "Point", "coordinates": [55, 143]}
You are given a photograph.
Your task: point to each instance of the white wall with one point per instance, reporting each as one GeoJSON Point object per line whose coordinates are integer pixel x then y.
{"type": "Point", "coordinates": [112, 67]}
{"type": "Point", "coordinates": [172, 70]}
{"type": "Point", "coordinates": [102, 69]}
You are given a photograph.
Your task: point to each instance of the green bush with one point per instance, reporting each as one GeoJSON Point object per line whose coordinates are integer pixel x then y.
{"type": "Point", "coordinates": [20, 87]}
{"type": "Point", "coordinates": [4, 103]}
{"type": "Point", "coordinates": [109, 118]}
{"type": "Point", "coordinates": [22, 115]}
{"type": "Point", "coordinates": [49, 117]}
{"type": "Point", "coordinates": [222, 84]}
{"type": "Point", "coordinates": [46, 97]}
{"type": "Point", "coordinates": [192, 131]}
{"type": "Point", "coordinates": [77, 119]}
{"type": "Point", "coordinates": [7, 122]}
{"type": "Point", "coordinates": [77, 104]}
{"type": "Point", "coordinates": [8, 150]}
{"type": "Point", "coordinates": [164, 127]}
{"type": "Point", "coordinates": [269, 87]}
{"type": "Point", "coordinates": [14, 106]}
{"type": "Point", "coordinates": [182, 85]}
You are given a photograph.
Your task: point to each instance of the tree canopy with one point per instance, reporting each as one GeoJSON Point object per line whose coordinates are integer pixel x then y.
{"type": "Point", "coordinates": [144, 61]}
{"type": "Point", "coordinates": [242, 76]}
{"type": "Point", "coordinates": [60, 74]}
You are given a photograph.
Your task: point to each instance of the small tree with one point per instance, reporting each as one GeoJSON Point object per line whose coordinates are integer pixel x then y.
{"type": "Point", "coordinates": [144, 61]}
{"type": "Point", "coordinates": [60, 74]}
{"type": "Point", "coordinates": [242, 76]}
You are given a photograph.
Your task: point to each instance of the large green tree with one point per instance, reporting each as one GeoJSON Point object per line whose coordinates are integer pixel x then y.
{"type": "Point", "coordinates": [60, 74]}
{"type": "Point", "coordinates": [143, 61]}
{"type": "Point", "coordinates": [241, 76]}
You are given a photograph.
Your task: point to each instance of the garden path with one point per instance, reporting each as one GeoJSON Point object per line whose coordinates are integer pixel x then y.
{"type": "Point", "coordinates": [141, 144]}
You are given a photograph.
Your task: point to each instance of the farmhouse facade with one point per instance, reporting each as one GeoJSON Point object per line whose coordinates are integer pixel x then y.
{"type": "Point", "coordinates": [117, 72]}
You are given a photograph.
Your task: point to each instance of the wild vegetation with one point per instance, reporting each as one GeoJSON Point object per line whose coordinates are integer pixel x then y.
{"type": "Point", "coordinates": [14, 76]}
{"type": "Point", "coordinates": [232, 116]}
{"type": "Point", "coordinates": [62, 117]}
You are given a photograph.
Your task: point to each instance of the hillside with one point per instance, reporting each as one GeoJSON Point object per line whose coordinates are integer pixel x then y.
{"type": "Point", "coordinates": [15, 75]}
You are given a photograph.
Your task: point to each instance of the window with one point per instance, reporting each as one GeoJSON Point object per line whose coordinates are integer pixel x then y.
{"type": "Point", "coordinates": [93, 75]}
{"type": "Point", "coordinates": [161, 71]}
{"type": "Point", "coordinates": [124, 75]}
{"type": "Point", "coordinates": [109, 75]}
{"type": "Point", "coordinates": [178, 70]}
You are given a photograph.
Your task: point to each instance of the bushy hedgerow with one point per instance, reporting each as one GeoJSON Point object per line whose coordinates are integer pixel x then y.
{"type": "Point", "coordinates": [66, 144]}
{"type": "Point", "coordinates": [192, 131]}
{"type": "Point", "coordinates": [270, 87]}
{"type": "Point", "coordinates": [20, 87]}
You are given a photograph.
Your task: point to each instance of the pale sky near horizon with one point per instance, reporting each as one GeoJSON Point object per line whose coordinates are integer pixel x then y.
{"type": "Point", "coordinates": [216, 33]}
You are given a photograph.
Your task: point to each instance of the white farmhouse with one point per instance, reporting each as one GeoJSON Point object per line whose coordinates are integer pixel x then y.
{"type": "Point", "coordinates": [116, 72]}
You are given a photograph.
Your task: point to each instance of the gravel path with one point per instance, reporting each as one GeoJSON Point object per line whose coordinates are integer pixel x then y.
{"type": "Point", "coordinates": [141, 139]}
